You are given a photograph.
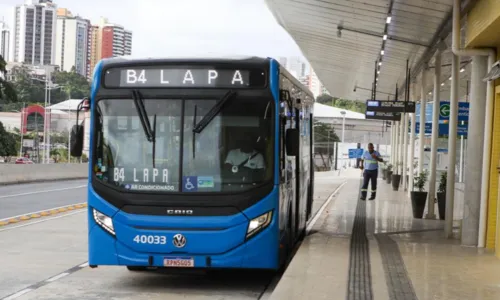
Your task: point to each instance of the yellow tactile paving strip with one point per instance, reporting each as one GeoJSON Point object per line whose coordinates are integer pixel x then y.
{"type": "Point", "coordinates": [40, 214]}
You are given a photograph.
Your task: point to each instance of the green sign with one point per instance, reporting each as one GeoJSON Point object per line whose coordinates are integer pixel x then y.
{"type": "Point", "coordinates": [444, 110]}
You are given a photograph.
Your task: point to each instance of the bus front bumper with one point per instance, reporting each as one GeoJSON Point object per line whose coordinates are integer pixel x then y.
{"type": "Point", "coordinates": [259, 252]}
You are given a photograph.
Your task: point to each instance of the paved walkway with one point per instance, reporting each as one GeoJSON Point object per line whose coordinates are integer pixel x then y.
{"type": "Point", "coordinates": [377, 250]}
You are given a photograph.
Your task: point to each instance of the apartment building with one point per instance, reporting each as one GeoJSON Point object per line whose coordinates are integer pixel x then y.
{"type": "Point", "coordinates": [33, 33]}
{"type": "Point", "coordinates": [72, 42]}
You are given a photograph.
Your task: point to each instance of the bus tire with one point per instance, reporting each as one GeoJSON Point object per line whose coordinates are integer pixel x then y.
{"type": "Point", "coordinates": [136, 269]}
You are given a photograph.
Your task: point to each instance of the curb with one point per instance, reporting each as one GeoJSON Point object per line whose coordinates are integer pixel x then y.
{"type": "Point", "coordinates": [40, 214]}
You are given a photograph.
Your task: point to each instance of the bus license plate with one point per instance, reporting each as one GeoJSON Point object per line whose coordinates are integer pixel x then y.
{"type": "Point", "coordinates": [176, 262]}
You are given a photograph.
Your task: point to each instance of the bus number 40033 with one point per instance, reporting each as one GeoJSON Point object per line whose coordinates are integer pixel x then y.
{"type": "Point", "coordinates": [150, 239]}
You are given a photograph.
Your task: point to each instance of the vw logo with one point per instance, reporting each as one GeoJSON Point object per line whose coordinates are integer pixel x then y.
{"type": "Point", "coordinates": [179, 240]}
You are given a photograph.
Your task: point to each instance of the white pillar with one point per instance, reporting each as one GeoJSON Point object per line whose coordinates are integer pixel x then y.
{"type": "Point", "coordinates": [485, 177]}
{"type": "Point", "coordinates": [405, 150]}
{"type": "Point", "coordinates": [472, 183]}
{"type": "Point", "coordinates": [396, 147]}
{"type": "Point", "coordinates": [462, 157]}
{"type": "Point", "coordinates": [412, 140]}
{"type": "Point", "coordinates": [422, 122]}
{"type": "Point", "coordinates": [452, 147]}
{"type": "Point", "coordinates": [343, 126]}
{"type": "Point", "coordinates": [402, 132]}
{"type": "Point", "coordinates": [392, 143]}
{"type": "Point", "coordinates": [434, 139]}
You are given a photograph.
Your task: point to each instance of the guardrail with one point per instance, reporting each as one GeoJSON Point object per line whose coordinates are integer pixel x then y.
{"type": "Point", "coordinates": [26, 173]}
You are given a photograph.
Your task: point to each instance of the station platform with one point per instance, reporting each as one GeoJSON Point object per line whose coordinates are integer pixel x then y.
{"type": "Point", "coordinates": [377, 250]}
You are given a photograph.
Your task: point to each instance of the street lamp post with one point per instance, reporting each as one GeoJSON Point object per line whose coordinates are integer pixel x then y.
{"type": "Point", "coordinates": [22, 132]}
{"type": "Point", "coordinates": [46, 89]}
{"type": "Point", "coordinates": [21, 129]}
{"type": "Point", "coordinates": [343, 113]}
{"type": "Point", "coordinates": [69, 131]}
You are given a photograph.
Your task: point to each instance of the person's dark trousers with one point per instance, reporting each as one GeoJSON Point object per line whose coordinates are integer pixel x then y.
{"type": "Point", "coordinates": [369, 175]}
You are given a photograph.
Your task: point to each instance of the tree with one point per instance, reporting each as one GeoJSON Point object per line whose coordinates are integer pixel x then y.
{"type": "Point", "coordinates": [325, 99]}
{"type": "Point", "coordinates": [28, 90]}
{"type": "Point", "coordinates": [342, 103]}
{"type": "Point", "coordinates": [7, 143]}
{"type": "Point", "coordinates": [7, 90]}
{"type": "Point", "coordinates": [324, 137]}
{"type": "Point", "coordinates": [75, 86]}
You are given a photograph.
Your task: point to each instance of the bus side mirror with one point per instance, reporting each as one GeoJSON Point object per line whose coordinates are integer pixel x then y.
{"type": "Point", "coordinates": [292, 139]}
{"type": "Point", "coordinates": [76, 146]}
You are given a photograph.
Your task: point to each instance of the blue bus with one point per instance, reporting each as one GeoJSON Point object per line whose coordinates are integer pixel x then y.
{"type": "Point", "coordinates": [196, 163]}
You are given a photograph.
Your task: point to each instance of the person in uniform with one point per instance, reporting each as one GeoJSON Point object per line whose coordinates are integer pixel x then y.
{"type": "Point", "coordinates": [245, 156]}
{"type": "Point", "coordinates": [369, 165]}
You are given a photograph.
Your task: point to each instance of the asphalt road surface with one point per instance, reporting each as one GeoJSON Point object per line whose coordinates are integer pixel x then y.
{"type": "Point", "coordinates": [46, 258]}
{"type": "Point", "coordinates": [21, 199]}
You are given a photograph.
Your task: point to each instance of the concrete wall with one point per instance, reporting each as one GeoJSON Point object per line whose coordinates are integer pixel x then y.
{"type": "Point", "coordinates": [11, 173]}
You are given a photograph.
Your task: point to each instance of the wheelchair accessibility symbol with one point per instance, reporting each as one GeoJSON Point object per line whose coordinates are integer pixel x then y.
{"type": "Point", "coordinates": [190, 184]}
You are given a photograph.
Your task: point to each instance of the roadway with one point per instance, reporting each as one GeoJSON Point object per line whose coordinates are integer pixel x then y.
{"type": "Point", "coordinates": [22, 199]}
{"type": "Point", "coordinates": [46, 258]}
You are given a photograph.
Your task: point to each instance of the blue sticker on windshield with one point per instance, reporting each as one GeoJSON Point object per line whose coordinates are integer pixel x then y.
{"type": "Point", "coordinates": [190, 183]}
{"type": "Point", "coordinates": [206, 182]}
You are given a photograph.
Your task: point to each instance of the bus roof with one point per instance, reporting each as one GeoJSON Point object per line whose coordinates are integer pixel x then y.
{"type": "Point", "coordinates": [186, 59]}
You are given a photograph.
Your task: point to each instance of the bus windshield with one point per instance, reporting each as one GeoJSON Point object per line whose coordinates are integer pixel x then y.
{"type": "Point", "coordinates": [232, 153]}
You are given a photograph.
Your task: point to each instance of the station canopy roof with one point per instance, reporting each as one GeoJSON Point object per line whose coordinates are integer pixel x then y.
{"type": "Point", "coordinates": [346, 40]}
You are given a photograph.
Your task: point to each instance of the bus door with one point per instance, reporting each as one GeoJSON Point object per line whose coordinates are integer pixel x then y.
{"type": "Point", "coordinates": [287, 176]}
{"type": "Point", "coordinates": [298, 177]}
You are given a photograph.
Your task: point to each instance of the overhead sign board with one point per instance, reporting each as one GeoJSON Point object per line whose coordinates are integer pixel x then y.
{"type": "Point", "coordinates": [183, 77]}
{"type": "Point", "coordinates": [390, 106]}
{"type": "Point", "coordinates": [355, 153]}
{"type": "Point", "coordinates": [445, 109]}
{"type": "Point", "coordinates": [443, 129]}
{"type": "Point", "coordinates": [428, 112]}
{"type": "Point", "coordinates": [378, 115]}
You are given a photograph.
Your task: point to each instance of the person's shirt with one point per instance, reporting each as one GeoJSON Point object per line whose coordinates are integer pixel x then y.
{"type": "Point", "coordinates": [369, 162]}
{"type": "Point", "coordinates": [236, 157]}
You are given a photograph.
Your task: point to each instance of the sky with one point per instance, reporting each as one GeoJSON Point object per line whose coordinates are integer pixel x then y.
{"type": "Point", "coordinates": [182, 27]}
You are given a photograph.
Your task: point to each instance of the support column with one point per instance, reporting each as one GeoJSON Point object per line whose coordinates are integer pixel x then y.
{"type": "Point", "coordinates": [394, 149]}
{"type": "Point", "coordinates": [452, 147]}
{"type": "Point", "coordinates": [434, 139]}
{"type": "Point", "coordinates": [462, 157]}
{"type": "Point", "coordinates": [392, 144]}
{"type": "Point", "coordinates": [421, 135]}
{"type": "Point", "coordinates": [487, 148]}
{"type": "Point", "coordinates": [401, 146]}
{"type": "Point", "coordinates": [396, 157]}
{"type": "Point", "coordinates": [473, 163]}
{"type": "Point", "coordinates": [412, 142]}
{"type": "Point", "coordinates": [405, 150]}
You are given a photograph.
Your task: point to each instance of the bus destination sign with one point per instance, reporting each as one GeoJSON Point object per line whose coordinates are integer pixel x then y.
{"type": "Point", "coordinates": [168, 77]}
{"type": "Point", "coordinates": [390, 106]}
{"type": "Point", "coordinates": [380, 115]}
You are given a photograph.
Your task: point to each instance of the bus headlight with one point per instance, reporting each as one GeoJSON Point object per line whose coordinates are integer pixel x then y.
{"type": "Point", "coordinates": [104, 221]}
{"type": "Point", "coordinates": [259, 223]}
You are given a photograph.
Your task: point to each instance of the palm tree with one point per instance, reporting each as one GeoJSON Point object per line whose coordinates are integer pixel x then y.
{"type": "Point", "coordinates": [7, 91]}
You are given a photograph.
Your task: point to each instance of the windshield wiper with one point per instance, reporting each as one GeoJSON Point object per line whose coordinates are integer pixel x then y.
{"type": "Point", "coordinates": [213, 112]}
{"type": "Point", "coordinates": [143, 117]}
{"type": "Point", "coordinates": [194, 135]}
